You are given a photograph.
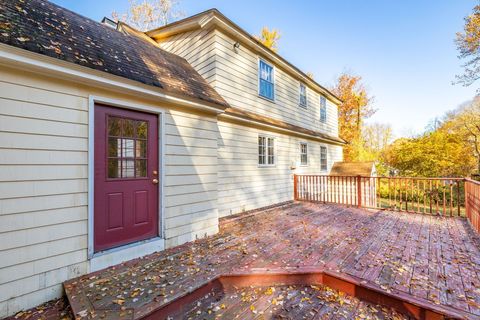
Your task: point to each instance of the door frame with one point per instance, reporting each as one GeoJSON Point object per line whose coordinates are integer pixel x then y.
{"type": "Point", "coordinates": [143, 247]}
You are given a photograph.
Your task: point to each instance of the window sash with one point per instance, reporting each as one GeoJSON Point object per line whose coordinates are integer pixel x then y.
{"type": "Point", "coordinates": [303, 95]}
{"type": "Point", "coordinates": [303, 154]}
{"type": "Point", "coordinates": [266, 80]}
{"type": "Point", "coordinates": [323, 158]}
{"type": "Point", "coordinates": [323, 109]}
{"type": "Point", "coordinates": [266, 151]}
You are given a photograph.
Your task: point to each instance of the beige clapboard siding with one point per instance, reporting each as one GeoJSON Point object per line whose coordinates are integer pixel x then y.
{"type": "Point", "coordinates": [191, 181]}
{"type": "Point", "coordinates": [43, 188]}
{"type": "Point", "coordinates": [243, 185]}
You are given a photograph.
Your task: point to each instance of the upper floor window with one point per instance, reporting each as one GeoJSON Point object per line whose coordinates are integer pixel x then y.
{"type": "Point", "coordinates": [323, 109]}
{"type": "Point", "coordinates": [323, 158]}
{"type": "Point", "coordinates": [303, 95]}
{"type": "Point", "coordinates": [303, 154]}
{"type": "Point", "coordinates": [266, 80]}
{"type": "Point", "coordinates": [266, 151]}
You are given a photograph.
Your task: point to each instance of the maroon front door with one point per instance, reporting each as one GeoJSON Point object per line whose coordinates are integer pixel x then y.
{"type": "Point", "coordinates": [126, 177]}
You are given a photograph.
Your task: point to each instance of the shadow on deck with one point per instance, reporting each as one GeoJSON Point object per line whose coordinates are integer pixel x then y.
{"type": "Point", "coordinates": [435, 260]}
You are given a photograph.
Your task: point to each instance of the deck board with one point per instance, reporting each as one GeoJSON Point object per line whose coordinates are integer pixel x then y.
{"type": "Point", "coordinates": [431, 257]}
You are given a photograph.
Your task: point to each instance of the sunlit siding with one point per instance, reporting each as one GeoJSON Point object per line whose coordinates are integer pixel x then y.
{"type": "Point", "coordinates": [44, 183]}
{"type": "Point", "coordinates": [244, 185]}
{"type": "Point", "coordinates": [234, 74]}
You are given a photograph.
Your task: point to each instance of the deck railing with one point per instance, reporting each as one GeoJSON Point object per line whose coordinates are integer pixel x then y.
{"type": "Point", "coordinates": [442, 196]}
{"type": "Point", "coordinates": [472, 203]}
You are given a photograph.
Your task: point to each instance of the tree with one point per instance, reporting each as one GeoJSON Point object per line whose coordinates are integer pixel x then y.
{"type": "Point", "coordinates": [468, 45]}
{"type": "Point", "coordinates": [149, 14]}
{"type": "Point", "coordinates": [355, 108]}
{"type": "Point", "coordinates": [466, 122]}
{"type": "Point", "coordinates": [376, 138]}
{"type": "Point", "coordinates": [269, 38]}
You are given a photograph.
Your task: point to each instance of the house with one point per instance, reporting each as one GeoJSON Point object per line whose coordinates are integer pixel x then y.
{"type": "Point", "coordinates": [118, 143]}
{"type": "Point", "coordinates": [368, 184]}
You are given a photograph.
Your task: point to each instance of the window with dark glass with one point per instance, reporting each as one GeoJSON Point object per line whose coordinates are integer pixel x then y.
{"type": "Point", "coordinates": [303, 154]}
{"type": "Point", "coordinates": [266, 151]}
{"type": "Point", "coordinates": [127, 148]}
{"type": "Point", "coordinates": [266, 85]}
{"type": "Point", "coordinates": [323, 158]}
{"type": "Point", "coordinates": [323, 109]}
{"type": "Point", "coordinates": [303, 95]}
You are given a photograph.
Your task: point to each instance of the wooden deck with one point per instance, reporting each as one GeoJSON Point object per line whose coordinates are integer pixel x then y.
{"type": "Point", "coordinates": [429, 257]}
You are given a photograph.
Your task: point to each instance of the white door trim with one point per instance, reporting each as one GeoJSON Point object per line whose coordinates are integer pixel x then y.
{"type": "Point", "coordinates": [116, 255]}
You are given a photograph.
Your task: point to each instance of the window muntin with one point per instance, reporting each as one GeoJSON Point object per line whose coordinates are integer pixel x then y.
{"type": "Point", "coordinates": [303, 154]}
{"type": "Point", "coordinates": [323, 109]}
{"type": "Point", "coordinates": [323, 158]}
{"type": "Point", "coordinates": [126, 148]}
{"type": "Point", "coordinates": [266, 80]}
{"type": "Point", "coordinates": [266, 151]}
{"type": "Point", "coordinates": [303, 95]}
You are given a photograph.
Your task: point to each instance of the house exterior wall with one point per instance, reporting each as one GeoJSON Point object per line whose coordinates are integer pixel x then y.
{"type": "Point", "coordinates": [44, 183]}
{"type": "Point", "coordinates": [244, 185]}
{"type": "Point", "coordinates": [234, 75]}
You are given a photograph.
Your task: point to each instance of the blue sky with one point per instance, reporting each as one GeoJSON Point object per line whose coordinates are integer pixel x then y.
{"type": "Point", "coordinates": [404, 50]}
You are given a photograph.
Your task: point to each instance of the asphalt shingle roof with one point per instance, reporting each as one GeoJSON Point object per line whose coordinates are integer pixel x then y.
{"type": "Point", "coordinates": [45, 28]}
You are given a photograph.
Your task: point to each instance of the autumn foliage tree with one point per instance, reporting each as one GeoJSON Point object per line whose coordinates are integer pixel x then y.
{"type": "Point", "coordinates": [355, 108]}
{"type": "Point", "coordinates": [269, 38]}
{"type": "Point", "coordinates": [149, 14]}
{"type": "Point", "coordinates": [468, 45]}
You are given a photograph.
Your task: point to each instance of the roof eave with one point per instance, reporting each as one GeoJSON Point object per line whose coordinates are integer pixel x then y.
{"type": "Point", "coordinates": [215, 18]}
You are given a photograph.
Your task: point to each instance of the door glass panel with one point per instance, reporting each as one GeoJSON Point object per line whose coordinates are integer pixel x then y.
{"type": "Point", "coordinates": [142, 129]}
{"type": "Point", "coordinates": [114, 168]}
{"type": "Point", "coordinates": [127, 148]}
{"type": "Point", "coordinates": [114, 147]}
{"type": "Point", "coordinates": [114, 126]}
{"type": "Point", "coordinates": [141, 168]}
{"type": "Point", "coordinates": [129, 128]}
{"type": "Point", "coordinates": [141, 149]}
{"type": "Point", "coordinates": [128, 168]}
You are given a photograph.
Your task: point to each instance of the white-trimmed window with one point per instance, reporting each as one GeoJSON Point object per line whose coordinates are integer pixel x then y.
{"type": "Point", "coordinates": [266, 86]}
{"type": "Point", "coordinates": [303, 154]}
{"type": "Point", "coordinates": [323, 158]}
{"type": "Point", "coordinates": [303, 95]}
{"type": "Point", "coordinates": [323, 109]}
{"type": "Point", "coordinates": [266, 151]}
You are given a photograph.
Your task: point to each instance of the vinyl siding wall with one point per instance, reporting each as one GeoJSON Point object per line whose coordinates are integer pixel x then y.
{"type": "Point", "coordinates": [243, 185]}
{"type": "Point", "coordinates": [234, 74]}
{"type": "Point", "coordinates": [43, 183]}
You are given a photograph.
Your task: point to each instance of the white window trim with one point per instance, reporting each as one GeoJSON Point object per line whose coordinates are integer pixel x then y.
{"type": "Point", "coordinates": [300, 95]}
{"type": "Point", "coordinates": [266, 136]}
{"type": "Point", "coordinates": [320, 157]}
{"type": "Point", "coordinates": [300, 147]}
{"type": "Point", "coordinates": [274, 71]}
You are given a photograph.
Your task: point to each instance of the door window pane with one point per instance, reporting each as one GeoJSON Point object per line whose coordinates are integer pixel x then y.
{"type": "Point", "coordinates": [141, 168]}
{"type": "Point", "coordinates": [142, 129]}
{"type": "Point", "coordinates": [114, 168]}
{"type": "Point", "coordinates": [141, 149]}
{"type": "Point", "coordinates": [128, 168]}
{"type": "Point", "coordinates": [129, 128]}
{"type": "Point", "coordinates": [115, 126]}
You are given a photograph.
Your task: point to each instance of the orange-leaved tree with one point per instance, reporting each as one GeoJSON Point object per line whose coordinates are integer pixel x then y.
{"type": "Point", "coordinates": [269, 38]}
{"type": "Point", "coordinates": [468, 45]}
{"type": "Point", "coordinates": [355, 108]}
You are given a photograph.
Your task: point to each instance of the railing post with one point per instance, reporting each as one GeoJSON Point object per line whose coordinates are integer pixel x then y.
{"type": "Point", "coordinates": [359, 191]}
{"type": "Point", "coordinates": [465, 187]}
{"type": "Point", "coordinates": [295, 187]}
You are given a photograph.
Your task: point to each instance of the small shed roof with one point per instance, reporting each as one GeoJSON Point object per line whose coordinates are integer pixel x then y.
{"type": "Point", "coordinates": [364, 168]}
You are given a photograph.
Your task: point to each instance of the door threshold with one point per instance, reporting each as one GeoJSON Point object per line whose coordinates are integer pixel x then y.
{"type": "Point", "coordinates": [111, 257]}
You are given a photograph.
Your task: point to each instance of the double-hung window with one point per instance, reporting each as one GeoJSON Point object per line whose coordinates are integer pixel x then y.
{"type": "Point", "coordinates": [303, 154]}
{"type": "Point", "coordinates": [266, 80]}
{"type": "Point", "coordinates": [266, 151]}
{"type": "Point", "coordinates": [323, 109]}
{"type": "Point", "coordinates": [303, 95]}
{"type": "Point", "coordinates": [323, 158]}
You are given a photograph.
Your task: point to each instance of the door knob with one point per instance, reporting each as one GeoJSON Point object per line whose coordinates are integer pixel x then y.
{"type": "Point", "coordinates": [155, 181]}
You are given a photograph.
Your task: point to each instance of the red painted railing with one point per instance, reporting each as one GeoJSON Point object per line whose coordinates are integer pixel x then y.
{"type": "Point", "coordinates": [439, 196]}
{"type": "Point", "coordinates": [472, 203]}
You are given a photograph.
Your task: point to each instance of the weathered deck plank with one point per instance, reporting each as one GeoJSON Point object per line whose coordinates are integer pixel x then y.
{"type": "Point", "coordinates": [430, 257]}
